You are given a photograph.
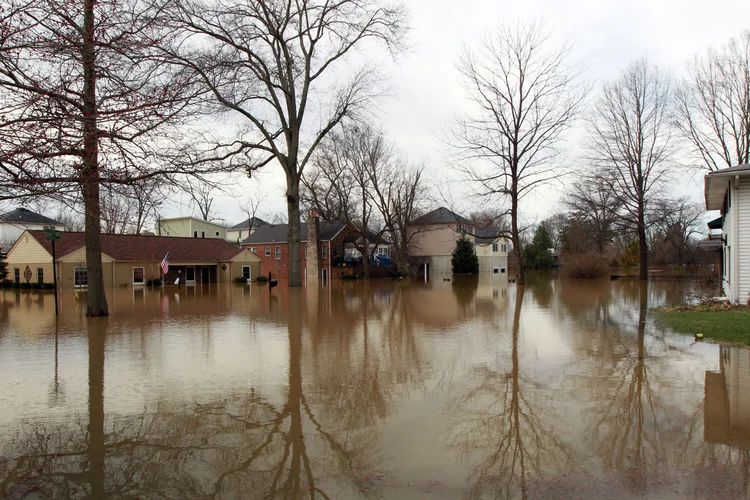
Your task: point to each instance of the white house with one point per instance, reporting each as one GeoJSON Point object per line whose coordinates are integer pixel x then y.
{"type": "Point", "coordinates": [190, 227]}
{"type": "Point", "coordinates": [240, 231]}
{"type": "Point", "coordinates": [14, 223]}
{"type": "Point", "coordinates": [728, 190]}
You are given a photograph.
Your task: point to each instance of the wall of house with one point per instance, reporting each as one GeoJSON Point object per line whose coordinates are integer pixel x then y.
{"type": "Point", "coordinates": [124, 272]}
{"type": "Point", "coordinates": [210, 229]}
{"type": "Point", "coordinates": [186, 227]}
{"type": "Point", "coordinates": [235, 235]}
{"type": "Point", "coordinates": [279, 267]}
{"type": "Point", "coordinates": [10, 232]}
{"type": "Point", "coordinates": [435, 239]}
{"type": "Point", "coordinates": [28, 252]}
{"type": "Point", "coordinates": [67, 270]}
{"type": "Point", "coordinates": [743, 241]}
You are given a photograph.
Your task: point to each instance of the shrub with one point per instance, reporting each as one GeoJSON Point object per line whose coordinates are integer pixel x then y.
{"type": "Point", "coordinates": [149, 282]}
{"type": "Point", "coordinates": [7, 284]}
{"type": "Point", "coordinates": [156, 282]}
{"type": "Point", "coordinates": [26, 285]}
{"type": "Point", "coordinates": [48, 286]}
{"type": "Point", "coordinates": [464, 258]}
{"type": "Point", "coordinates": [262, 279]}
{"type": "Point", "coordinates": [349, 277]}
{"type": "Point", "coordinates": [36, 286]}
{"type": "Point", "coordinates": [587, 265]}
{"type": "Point", "coordinates": [240, 279]}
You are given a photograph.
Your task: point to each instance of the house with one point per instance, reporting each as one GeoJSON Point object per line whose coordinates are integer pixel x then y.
{"type": "Point", "coordinates": [190, 227]}
{"type": "Point", "coordinates": [433, 238]}
{"type": "Point", "coordinates": [240, 231]}
{"type": "Point", "coordinates": [269, 242]}
{"type": "Point", "coordinates": [130, 260]}
{"type": "Point", "coordinates": [728, 190]}
{"type": "Point", "coordinates": [15, 222]}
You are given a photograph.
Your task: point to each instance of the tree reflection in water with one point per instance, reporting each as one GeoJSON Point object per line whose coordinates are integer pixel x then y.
{"type": "Point", "coordinates": [508, 424]}
{"type": "Point", "coordinates": [239, 446]}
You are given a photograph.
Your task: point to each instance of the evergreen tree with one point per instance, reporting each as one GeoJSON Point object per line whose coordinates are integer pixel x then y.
{"type": "Point", "coordinates": [464, 258]}
{"type": "Point", "coordinates": [537, 255]}
{"type": "Point", "coordinates": [3, 269]}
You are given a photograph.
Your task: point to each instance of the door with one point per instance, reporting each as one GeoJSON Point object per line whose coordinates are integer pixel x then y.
{"type": "Point", "coordinates": [190, 274]}
{"type": "Point", "coordinates": [205, 274]}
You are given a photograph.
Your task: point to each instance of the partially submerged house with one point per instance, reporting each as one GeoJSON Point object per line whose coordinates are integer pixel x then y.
{"type": "Point", "coordinates": [728, 190]}
{"type": "Point", "coordinates": [240, 231]}
{"type": "Point", "coordinates": [433, 238]}
{"type": "Point", "coordinates": [130, 260]}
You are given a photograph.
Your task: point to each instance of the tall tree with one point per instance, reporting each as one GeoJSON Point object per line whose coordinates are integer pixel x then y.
{"type": "Point", "coordinates": [269, 61]}
{"type": "Point", "coordinates": [713, 105]}
{"type": "Point", "coordinates": [83, 100]}
{"type": "Point", "coordinates": [526, 96]}
{"type": "Point", "coordinates": [340, 186]}
{"type": "Point", "coordinates": [631, 144]}
{"type": "Point", "coordinates": [594, 207]}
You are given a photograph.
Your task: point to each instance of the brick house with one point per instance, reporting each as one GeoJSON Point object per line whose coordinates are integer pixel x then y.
{"type": "Point", "coordinates": [270, 244]}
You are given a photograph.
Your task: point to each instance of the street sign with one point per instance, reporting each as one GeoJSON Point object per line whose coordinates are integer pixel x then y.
{"type": "Point", "coordinates": [53, 235]}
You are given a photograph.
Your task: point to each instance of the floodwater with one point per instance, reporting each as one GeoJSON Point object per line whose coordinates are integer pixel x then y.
{"type": "Point", "coordinates": [462, 389]}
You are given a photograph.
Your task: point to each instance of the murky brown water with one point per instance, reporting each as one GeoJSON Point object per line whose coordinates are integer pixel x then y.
{"type": "Point", "coordinates": [465, 390]}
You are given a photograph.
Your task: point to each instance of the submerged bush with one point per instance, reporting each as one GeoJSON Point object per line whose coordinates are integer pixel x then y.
{"type": "Point", "coordinates": [587, 265]}
{"type": "Point", "coordinates": [240, 279]}
{"type": "Point", "coordinates": [262, 279]}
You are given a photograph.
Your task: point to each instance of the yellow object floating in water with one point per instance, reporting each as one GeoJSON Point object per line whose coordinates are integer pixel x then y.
{"type": "Point", "coordinates": [699, 336]}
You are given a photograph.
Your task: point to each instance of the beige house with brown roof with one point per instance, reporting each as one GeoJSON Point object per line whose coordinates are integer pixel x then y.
{"type": "Point", "coordinates": [130, 260]}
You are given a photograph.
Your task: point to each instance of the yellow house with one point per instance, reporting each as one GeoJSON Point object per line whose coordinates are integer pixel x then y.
{"type": "Point", "coordinates": [130, 260]}
{"type": "Point", "coordinates": [190, 227]}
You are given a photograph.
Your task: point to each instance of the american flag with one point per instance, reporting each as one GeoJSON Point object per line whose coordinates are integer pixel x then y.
{"type": "Point", "coordinates": [165, 264]}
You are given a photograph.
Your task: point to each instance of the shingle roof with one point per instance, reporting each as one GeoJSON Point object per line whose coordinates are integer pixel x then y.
{"type": "Point", "coordinates": [487, 235]}
{"type": "Point", "coordinates": [246, 223]}
{"type": "Point", "coordinates": [731, 170]}
{"type": "Point", "coordinates": [276, 233]}
{"type": "Point", "coordinates": [440, 216]}
{"type": "Point", "coordinates": [142, 248]}
{"type": "Point", "coordinates": [25, 216]}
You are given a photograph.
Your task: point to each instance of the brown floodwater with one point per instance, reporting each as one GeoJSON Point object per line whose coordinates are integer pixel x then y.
{"type": "Point", "coordinates": [462, 389]}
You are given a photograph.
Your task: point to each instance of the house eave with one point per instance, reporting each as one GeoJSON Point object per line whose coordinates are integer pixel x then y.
{"type": "Point", "coordinates": [715, 187]}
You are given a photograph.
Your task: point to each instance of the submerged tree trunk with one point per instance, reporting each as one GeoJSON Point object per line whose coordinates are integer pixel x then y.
{"type": "Point", "coordinates": [96, 298]}
{"type": "Point", "coordinates": [642, 244]}
{"type": "Point", "coordinates": [517, 240]}
{"type": "Point", "coordinates": [293, 233]}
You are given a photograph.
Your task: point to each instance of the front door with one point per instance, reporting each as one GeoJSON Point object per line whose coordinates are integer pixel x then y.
{"type": "Point", "coordinates": [205, 274]}
{"type": "Point", "coordinates": [190, 274]}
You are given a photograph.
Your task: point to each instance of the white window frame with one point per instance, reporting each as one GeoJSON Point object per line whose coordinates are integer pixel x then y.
{"type": "Point", "coordinates": [76, 272]}
{"type": "Point", "coordinates": [203, 234]}
{"type": "Point", "coordinates": [323, 251]}
{"type": "Point", "coordinates": [40, 274]}
{"type": "Point", "coordinates": [17, 275]}
{"type": "Point", "coordinates": [143, 275]}
{"type": "Point", "coordinates": [249, 272]}
{"type": "Point", "coordinates": [253, 250]}
{"type": "Point", "coordinates": [277, 253]}
{"type": "Point", "coordinates": [494, 247]}
{"type": "Point", "coordinates": [268, 251]}
{"type": "Point", "coordinates": [383, 251]}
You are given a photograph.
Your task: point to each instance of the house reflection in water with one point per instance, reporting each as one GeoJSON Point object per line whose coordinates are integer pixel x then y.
{"type": "Point", "coordinates": [727, 403]}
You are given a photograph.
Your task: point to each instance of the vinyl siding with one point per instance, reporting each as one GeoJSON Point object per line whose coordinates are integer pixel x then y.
{"type": "Point", "coordinates": [743, 241]}
{"type": "Point", "coordinates": [26, 250]}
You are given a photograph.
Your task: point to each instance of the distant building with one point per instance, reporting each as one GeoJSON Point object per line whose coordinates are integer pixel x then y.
{"type": "Point", "coordinates": [190, 227]}
{"type": "Point", "coordinates": [240, 231]}
{"type": "Point", "coordinates": [269, 242]}
{"type": "Point", "coordinates": [433, 238]}
{"type": "Point", "coordinates": [15, 222]}
{"type": "Point", "coordinates": [130, 260]}
{"type": "Point", "coordinates": [728, 190]}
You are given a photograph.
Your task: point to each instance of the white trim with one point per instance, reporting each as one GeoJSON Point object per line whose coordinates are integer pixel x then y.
{"type": "Point", "coordinates": [85, 270]}
{"type": "Point", "coordinates": [186, 278]}
{"type": "Point", "coordinates": [249, 272]}
{"type": "Point", "coordinates": [132, 275]}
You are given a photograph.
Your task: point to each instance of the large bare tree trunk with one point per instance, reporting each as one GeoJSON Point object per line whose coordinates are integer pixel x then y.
{"type": "Point", "coordinates": [96, 300]}
{"type": "Point", "coordinates": [293, 232]}
{"type": "Point", "coordinates": [516, 238]}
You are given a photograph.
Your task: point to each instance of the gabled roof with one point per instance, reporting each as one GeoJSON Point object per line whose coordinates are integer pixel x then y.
{"type": "Point", "coordinates": [440, 216]}
{"type": "Point", "coordinates": [142, 248]}
{"type": "Point", "coordinates": [276, 233]}
{"type": "Point", "coordinates": [486, 235]}
{"type": "Point", "coordinates": [717, 182]}
{"type": "Point", "coordinates": [256, 222]}
{"type": "Point", "coordinates": [25, 216]}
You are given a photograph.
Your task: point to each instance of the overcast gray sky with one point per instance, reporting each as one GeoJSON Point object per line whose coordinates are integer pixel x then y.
{"type": "Point", "coordinates": [427, 90]}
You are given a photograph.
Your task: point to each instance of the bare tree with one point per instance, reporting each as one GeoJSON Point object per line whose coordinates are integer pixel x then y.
{"type": "Point", "coordinates": [340, 186]}
{"type": "Point", "coordinates": [631, 144]}
{"type": "Point", "coordinates": [400, 195]}
{"type": "Point", "coordinates": [713, 105]}
{"type": "Point", "coordinates": [202, 196]}
{"type": "Point", "coordinates": [83, 100]}
{"type": "Point", "coordinates": [676, 223]}
{"type": "Point", "coordinates": [268, 61]}
{"type": "Point", "coordinates": [525, 94]}
{"type": "Point", "coordinates": [116, 212]}
{"type": "Point", "coordinates": [594, 206]}
{"type": "Point", "coordinates": [249, 207]}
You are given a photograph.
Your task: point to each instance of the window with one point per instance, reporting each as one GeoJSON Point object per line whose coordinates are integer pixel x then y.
{"type": "Point", "coordinates": [80, 277]}
{"type": "Point", "coordinates": [278, 253]}
{"type": "Point", "coordinates": [246, 272]}
{"type": "Point", "coordinates": [306, 251]}
{"type": "Point", "coordinates": [502, 270]}
{"type": "Point", "coordinates": [496, 270]}
{"type": "Point", "coordinates": [16, 275]}
{"type": "Point", "coordinates": [504, 248]}
{"type": "Point", "coordinates": [268, 251]}
{"type": "Point", "coordinates": [253, 250]}
{"type": "Point", "coordinates": [203, 234]}
{"type": "Point", "coordinates": [139, 276]}
{"type": "Point", "coordinates": [189, 274]}
{"type": "Point", "coordinates": [494, 247]}
{"type": "Point", "coordinates": [49, 227]}
{"type": "Point", "coordinates": [217, 233]}
{"type": "Point", "coordinates": [324, 252]}
{"type": "Point", "coordinates": [383, 251]}
{"type": "Point", "coordinates": [40, 275]}
{"type": "Point", "coordinates": [195, 234]}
